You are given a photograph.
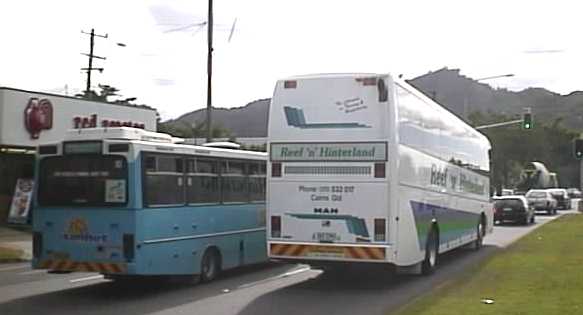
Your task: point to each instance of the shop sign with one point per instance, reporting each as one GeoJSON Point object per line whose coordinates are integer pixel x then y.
{"type": "Point", "coordinates": [38, 116]}
{"type": "Point", "coordinates": [93, 121]}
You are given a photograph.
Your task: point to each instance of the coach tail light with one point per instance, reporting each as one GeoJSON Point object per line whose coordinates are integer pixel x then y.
{"type": "Point", "coordinates": [275, 169]}
{"type": "Point", "coordinates": [275, 226]}
{"type": "Point", "coordinates": [379, 170]}
{"type": "Point", "coordinates": [380, 230]}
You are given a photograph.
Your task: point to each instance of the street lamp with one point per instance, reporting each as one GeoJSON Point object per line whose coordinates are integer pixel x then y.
{"type": "Point", "coordinates": [467, 95]}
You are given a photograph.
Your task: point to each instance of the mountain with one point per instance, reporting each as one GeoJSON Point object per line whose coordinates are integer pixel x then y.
{"type": "Point", "coordinates": [458, 93]}
{"type": "Point", "coordinates": [247, 121]}
{"type": "Point", "coordinates": [463, 95]}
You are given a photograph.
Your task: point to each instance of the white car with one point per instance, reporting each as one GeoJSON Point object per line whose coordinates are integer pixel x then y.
{"type": "Point", "coordinates": [562, 197]}
{"type": "Point", "coordinates": [541, 199]}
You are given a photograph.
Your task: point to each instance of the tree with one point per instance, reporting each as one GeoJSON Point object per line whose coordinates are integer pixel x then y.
{"type": "Point", "coordinates": [196, 130]}
{"type": "Point", "coordinates": [107, 91]}
{"type": "Point", "coordinates": [513, 147]}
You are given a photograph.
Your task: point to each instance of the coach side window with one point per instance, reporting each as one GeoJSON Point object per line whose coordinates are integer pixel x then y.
{"type": "Point", "coordinates": [233, 181]}
{"type": "Point", "coordinates": [202, 181]}
{"type": "Point", "coordinates": [256, 181]}
{"type": "Point", "coordinates": [163, 180]}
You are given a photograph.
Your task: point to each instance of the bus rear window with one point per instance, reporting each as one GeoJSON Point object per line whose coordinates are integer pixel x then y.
{"type": "Point", "coordinates": [83, 181]}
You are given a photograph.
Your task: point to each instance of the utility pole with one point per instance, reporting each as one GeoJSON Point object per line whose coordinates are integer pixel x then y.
{"type": "Point", "coordinates": [209, 105]}
{"type": "Point", "coordinates": [91, 56]}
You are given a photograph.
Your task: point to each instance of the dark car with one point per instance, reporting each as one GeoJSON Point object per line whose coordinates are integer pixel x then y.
{"type": "Point", "coordinates": [562, 197]}
{"type": "Point", "coordinates": [513, 208]}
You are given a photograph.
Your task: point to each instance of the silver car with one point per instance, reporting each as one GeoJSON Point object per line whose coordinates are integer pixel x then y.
{"type": "Point", "coordinates": [541, 199]}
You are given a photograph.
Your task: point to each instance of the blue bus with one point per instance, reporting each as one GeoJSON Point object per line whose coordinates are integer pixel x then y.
{"type": "Point", "coordinates": [124, 201]}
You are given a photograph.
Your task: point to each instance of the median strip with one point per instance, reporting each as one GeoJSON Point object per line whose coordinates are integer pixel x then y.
{"type": "Point", "coordinates": [10, 255]}
{"type": "Point", "coordinates": [541, 273]}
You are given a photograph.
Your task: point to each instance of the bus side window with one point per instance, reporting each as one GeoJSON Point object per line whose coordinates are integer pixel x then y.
{"type": "Point", "coordinates": [202, 182]}
{"type": "Point", "coordinates": [163, 180]}
{"type": "Point", "coordinates": [256, 183]}
{"type": "Point", "coordinates": [233, 181]}
{"type": "Point", "coordinates": [150, 164]}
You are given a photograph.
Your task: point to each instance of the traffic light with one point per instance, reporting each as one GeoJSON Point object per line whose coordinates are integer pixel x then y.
{"type": "Point", "coordinates": [578, 148]}
{"type": "Point", "coordinates": [527, 121]}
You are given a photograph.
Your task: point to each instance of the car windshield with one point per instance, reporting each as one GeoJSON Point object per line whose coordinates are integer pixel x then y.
{"type": "Point", "coordinates": [536, 194]}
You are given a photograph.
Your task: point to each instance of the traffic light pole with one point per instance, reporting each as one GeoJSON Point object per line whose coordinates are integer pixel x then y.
{"type": "Point", "coordinates": [502, 124]}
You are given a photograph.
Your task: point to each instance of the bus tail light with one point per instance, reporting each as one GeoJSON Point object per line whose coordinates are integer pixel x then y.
{"type": "Point", "coordinates": [290, 84]}
{"type": "Point", "coordinates": [380, 230]}
{"type": "Point", "coordinates": [275, 226]}
{"type": "Point", "coordinates": [128, 246]}
{"type": "Point", "coordinates": [37, 244]}
{"type": "Point", "coordinates": [379, 170]}
{"type": "Point", "coordinates": [275, 169]}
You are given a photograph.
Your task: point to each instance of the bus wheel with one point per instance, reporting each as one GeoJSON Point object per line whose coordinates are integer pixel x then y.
{"type": "Point", "coordinates": [210, 265]}
{"type": "Point", "coordinates": [431, 252]}
{"type": "Point", "coordinates": [479, 242]}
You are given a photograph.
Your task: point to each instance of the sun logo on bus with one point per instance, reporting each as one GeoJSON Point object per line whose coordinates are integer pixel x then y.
{"type": "Point", "coordinates": [78, 226]}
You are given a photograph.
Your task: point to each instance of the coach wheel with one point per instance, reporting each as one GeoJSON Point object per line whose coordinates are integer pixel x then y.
{"type": "Point", "coordinates": [479, 242]}
{"type": "Point", "coordinates": [431, 252]}
{"type": "Point", "coordinates": [210, 266]}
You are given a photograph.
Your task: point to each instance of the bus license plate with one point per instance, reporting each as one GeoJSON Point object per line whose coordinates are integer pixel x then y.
{"type": "Point", "coordinates": [326, 237]}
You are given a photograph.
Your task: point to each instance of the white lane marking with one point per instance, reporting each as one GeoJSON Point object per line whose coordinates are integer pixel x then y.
{"type": "Point", "coordinates": [98, 277]}
{"type": "Point", "coordinates": [31, 272]}
{"type": "Point", "coordinates": [283, 275]}
{"type": "Point", "coordinates": [23, 266]}
{"type": "Point", "coordinates": [295, 272]}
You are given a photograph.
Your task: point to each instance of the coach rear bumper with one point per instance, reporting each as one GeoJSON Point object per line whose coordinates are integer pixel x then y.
{"type": "Point", "coordinates": [306, 252]}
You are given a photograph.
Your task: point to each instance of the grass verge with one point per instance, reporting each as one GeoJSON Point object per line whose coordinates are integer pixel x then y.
{"type": "Point", "coordinates": [542, 273]}
{"type": "Point", "coordinates": [8, 255]}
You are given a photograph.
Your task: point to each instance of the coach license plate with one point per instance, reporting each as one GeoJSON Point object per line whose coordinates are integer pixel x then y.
{"type": "Point", "coordinates": [321, 251]}
{"type": "Point", "coordinates": [326, 237]}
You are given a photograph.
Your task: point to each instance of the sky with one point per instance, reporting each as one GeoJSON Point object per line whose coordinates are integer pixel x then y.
{"type": "Point", "coordinates": [163, 63]}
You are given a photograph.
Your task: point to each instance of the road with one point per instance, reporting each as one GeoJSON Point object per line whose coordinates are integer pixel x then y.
{"type": "Point", "coordinates": [264, 289]}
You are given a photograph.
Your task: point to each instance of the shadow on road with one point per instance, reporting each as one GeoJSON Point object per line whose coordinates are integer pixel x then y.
{"type": "Point", "coordinates": [362, 291]}
{"type": "Point", "coordinates": [137, 297]}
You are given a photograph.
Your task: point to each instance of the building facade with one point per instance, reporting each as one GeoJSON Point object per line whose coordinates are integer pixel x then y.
{"type": "Point", "coordinates": [29, 119]}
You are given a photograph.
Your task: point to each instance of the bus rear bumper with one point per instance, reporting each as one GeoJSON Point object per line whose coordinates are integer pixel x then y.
{"type": "Point", "coordinates": [309, 252]}
{"type": "Point", "coordinates": [65, 265]}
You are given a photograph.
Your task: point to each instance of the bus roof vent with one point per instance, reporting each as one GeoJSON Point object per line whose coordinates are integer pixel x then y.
{"type": "Point", "coordinates": [223, 145]}
{"type": "Point", "coordinates": [123, 133]}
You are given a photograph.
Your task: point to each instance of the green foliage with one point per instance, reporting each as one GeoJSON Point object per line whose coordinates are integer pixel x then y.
{"type": "Point", "coordinates": [512, 147]}
{"type": "Point", "coordinates": [10, 255]}
{"type": "Point", "coordinates": [253, 147]}
{"type": "Point", "coordinates": [539, 274]}
{"type": "Point", "coordinates": [105, 91]}
{"type": "Point", "coordinates": [185, 130]}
